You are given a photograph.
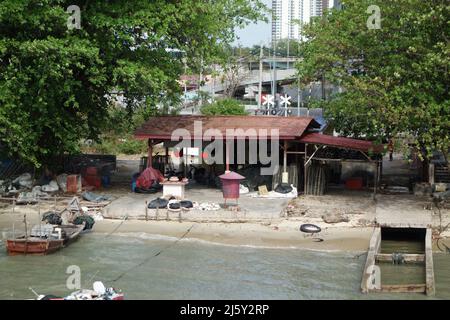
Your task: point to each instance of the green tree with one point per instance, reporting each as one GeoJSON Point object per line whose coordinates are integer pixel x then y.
{"type": "Point", "coordinates": [287, 48]}
{"type": "Point", "coordinates": [56, 83]}
{"type": "Point", "coordinates": [395, 79]}
{"type": "Point", "coordinates": [223, 107]}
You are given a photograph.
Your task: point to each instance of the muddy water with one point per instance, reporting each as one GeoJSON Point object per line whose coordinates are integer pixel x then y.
{"type": "Point", "coordinates": [195, 270]}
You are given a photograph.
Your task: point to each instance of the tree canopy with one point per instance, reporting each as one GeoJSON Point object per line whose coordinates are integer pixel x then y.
{"type": "Point", "coordinates": [395, 79]}
{"type": "Point", "coordinates": [56, 83]}
{"type": "Point", "coordinates": [224, 107]}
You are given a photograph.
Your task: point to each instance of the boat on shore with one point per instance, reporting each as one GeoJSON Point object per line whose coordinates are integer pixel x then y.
{"type": "Point", "coordinates": [53, 234]}
{"type": "Point", "coordinates": [44, 239]}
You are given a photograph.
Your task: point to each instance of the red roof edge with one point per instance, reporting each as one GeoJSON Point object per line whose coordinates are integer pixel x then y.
{"type": "Point", "coordinates": [169, 138]}
{"type": "Point", "coordinates": [341, 142]}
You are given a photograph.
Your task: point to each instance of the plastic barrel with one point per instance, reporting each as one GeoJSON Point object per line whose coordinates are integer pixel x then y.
{"type": "Point", "coordinates": [133, 181]}
{"type": "Point", "coordinates": [106, 181]}
{"type": "Point", "coordinates": [230, 189]}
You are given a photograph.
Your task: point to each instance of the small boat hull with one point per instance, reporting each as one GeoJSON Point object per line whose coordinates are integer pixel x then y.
{"type": "Point", "coordinates": [42, 246]}
{"type": "Point", "coordinates": [32, 247]}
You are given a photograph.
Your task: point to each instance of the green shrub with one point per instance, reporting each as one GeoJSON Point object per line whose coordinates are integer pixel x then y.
{"type": "Point", "coordinates": [131, 146]}
{"type": "Point", "coordinates": [223, 107]}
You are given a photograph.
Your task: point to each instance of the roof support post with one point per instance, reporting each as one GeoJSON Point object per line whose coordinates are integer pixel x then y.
{"type": "Point", "coordinates": [315, 151]}
{"type": "Point", "coordinates": [150, 154]}
{"type": "Point", "coordinates": [304, 169]}
{"type": "Point", "coordinates": [285, 176]}
{"type": "Point", "coordinates": [167, 156]}
{"type": "Point", "coordinates": [166, 159]}
{"type": "Point", "coordinates": [227, 156]}
{"type": "Point", "coordinates": [375, 179]}
{"type": "Point", "coordinates": [365, 155]}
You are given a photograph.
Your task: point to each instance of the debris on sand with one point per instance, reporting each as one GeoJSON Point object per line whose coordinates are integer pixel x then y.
{"type": "Point", "coordinates": [334, 218]}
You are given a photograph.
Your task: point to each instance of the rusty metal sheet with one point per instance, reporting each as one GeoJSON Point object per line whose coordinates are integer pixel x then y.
{"type": "Point", "coordinates": [340, 142]}
{"type": "Point", "coordinates": [288, 127]}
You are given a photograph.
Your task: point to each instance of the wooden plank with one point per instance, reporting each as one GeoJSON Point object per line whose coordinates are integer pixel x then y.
{"type": "Point", "coordinates": [399, 288]}
{"type": "Point", "coordinates": [411, 258]}
{"type": "Point", "coordinates": [429, 269]}
{"type": "Point", "coordinates": [368, 273]}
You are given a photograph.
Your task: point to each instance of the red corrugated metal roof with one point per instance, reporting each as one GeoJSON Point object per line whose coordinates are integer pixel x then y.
{"type": "Point", "coordinates": [163, 127]}
{"type": "Point", "coordinates": [340, 142]}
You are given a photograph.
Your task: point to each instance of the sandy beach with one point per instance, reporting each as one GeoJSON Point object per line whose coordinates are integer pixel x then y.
{"type": "Point", "coordinates": [277, 234]}
{"type": "Point", "coordinates": [273, 232]}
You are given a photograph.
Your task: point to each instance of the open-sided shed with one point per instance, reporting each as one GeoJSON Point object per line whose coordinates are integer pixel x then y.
{"type": "Point", "coordinates": [298, 136]}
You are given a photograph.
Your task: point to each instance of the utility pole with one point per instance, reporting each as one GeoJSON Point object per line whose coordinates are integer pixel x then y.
{"type": "Point", "coordinates": [324, 96]}
{"type": "Point", "coordinates": [260, 76]}
{"type": "Point", "coordinates": [288, 53]}
{"type": "Point", "coordinates": [185, 82]}
{"type": "Point", "coordinates": [200, 79]}
{"type": "Point", "coordinates": [213, 84]}
{"type": "Point", "coordinates": [323, 86]}
{"type": "Point", "coordinates": [298, 97]}
{"type": "Point", "coordinates": [274, 80]}
{"type": "Point", "coordinates": [213, 95]}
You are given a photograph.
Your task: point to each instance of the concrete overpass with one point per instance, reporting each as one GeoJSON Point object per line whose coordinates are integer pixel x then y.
{"type": "Point", "coordinates": [252, 78]}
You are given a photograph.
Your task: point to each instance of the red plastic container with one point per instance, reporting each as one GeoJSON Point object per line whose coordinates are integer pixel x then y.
{"type": "Point", "coordinates": [72, 183]}
{"type": "Point", "coordinates": [354, 183]}
{"type": "Point", "coordinates": [91, 171]}
{"type": "Point", "coordinates": [92, 180]}
{"type": "Point", "coordinates": [230, 184]}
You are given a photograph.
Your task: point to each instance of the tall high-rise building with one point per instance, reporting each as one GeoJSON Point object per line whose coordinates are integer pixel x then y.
{"type": "Point", "coordinates": [286, 14]}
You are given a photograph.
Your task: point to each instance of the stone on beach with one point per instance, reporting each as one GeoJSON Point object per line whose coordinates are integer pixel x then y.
{"type": "Point", "coordinates": [334, 218]}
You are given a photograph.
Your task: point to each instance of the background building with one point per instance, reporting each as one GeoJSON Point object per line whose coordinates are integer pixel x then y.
{"type": "Point", "coordinates": [286, 13]}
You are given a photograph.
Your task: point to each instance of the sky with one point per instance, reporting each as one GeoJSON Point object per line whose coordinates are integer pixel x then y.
{"type": "Point", "coordinates": [255, 33]}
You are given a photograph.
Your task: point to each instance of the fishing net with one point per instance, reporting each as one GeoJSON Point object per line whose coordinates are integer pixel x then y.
{"type": "Point", "coordinates": [283, 188]}
{"type": "Point", "coordinates": [87, 219]}
{"type": "Point", "coordinates": [158, 203]}
{"type": "Point", "coordinates": [52, 218]}
{"type": "Point", "coordinates": [186, 204]}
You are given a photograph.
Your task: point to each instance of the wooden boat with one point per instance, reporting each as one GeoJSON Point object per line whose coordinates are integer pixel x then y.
{"type": "Point", "coordinates": [44, 239]}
